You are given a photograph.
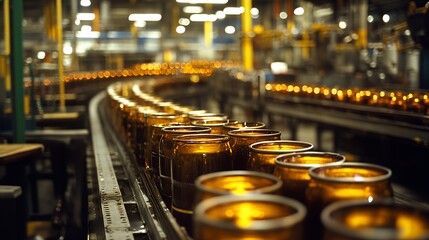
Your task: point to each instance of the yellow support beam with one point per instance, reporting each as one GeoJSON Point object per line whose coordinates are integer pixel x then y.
{"type": "Point", "coordinates": [208, 33]}
{"type": "Point", "coordinates": [247, 45]}
{"type": "Point", "coordinates": [6, 20]}
{"type": "Point", "coordinates": [60, 55]}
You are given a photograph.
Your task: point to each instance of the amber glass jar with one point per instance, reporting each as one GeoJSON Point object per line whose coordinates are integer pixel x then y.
{"type": "Point", "coordinates": [215, 124]}
{"type": "Point", "coordinates": [293, 170]}
{"type": "Point", "coordinates": [142, 113]}
{"type": "Point", "coordinates": [241, 140]}
{"type": "Point", "coordinates": [263, 154]}
{"type": "Point", "coordinates": [235, 183]}
{"type": "Point", "coordinates": [155, 140]}
{"type": "Point", "coordinates": [166, 145]}
{"type": "Point", "coordinates": [153, 119]}
{"type": "Point", "coordinates": [195, 155]}
{"type": "Point", "coordinates": [331, 183]}
{"type": "Point", "coordinates": [255, 216]}
{"type": "Point", "coordinates": [240, 124]}
{"type": "Point", "coordinates": [382, 220]}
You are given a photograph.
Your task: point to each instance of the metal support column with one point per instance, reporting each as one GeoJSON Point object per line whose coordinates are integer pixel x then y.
{"type": "Point", "coordinates": [17, 71]}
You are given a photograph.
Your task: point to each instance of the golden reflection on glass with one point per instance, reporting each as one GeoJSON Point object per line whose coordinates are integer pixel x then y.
{"type": "Point", "coordinates": [235, 183]}
{"type": "Point", "coordinates": [379, 219]}
{"type": "Point", "coordinates": [252, 216]}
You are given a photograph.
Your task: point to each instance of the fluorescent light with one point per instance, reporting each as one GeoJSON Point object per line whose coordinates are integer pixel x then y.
{"type": "Point", "coordinates": [154, 17]}
{"type": "Point", "coordinates": [203, 18]}
{"type": "Point", "coordinates": [80, 34]}
{"type": "Point", "coordinates": [85, 16]}
{"type": "Point", "coordinates": [233, 10]}
{"type": "Point", "coordinates": [85, 3]}
{"type": "Point", "coordinates": [298, 11]}
{"type": "Point", "coordinates": [193, 9]}
{"type": "Point", "coordinates": [203, 1]}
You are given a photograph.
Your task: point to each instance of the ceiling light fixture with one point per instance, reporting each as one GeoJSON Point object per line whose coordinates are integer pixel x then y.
{"type": "Point", "coordinates": [193, 9]}
{"type": "Point", "coordinates": [203, 1]}
{"type": "Point", "coordinates": [233, 10]}
{"type": "Point", "coordinates": [149, 17]}
{"type": "Point", "coordinates": [203, 18]}
{"type": "Point", "coordinates": [85, 16]}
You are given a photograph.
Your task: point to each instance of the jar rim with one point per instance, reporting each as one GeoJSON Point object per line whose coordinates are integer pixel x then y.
{"type": "Point", "coordinates": [257, 226]}
{"type": "Point", "coordinates": [305, 146]}
{"type": "Point", "coordinates": [279, 159]}
{"type": "Point", "coordinates": [195, 129]}
{"type": "Point", "coordinates": [199, 138]}
{"type": "Point", "coordinates": [227, 125]}
{"type": "Point", "coordinates": [340, 228]}
{"type": "Point", "coordinates": [387, 173]}
{"type": "Point", "coordinates": [210, 122]}
{"type": "Point", "coordinates": [277, 183]}
{"type": "Point", "coordinates": [262, 132]}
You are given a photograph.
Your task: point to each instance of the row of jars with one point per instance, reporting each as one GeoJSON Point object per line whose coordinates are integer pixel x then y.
{"type": "Point", "coordinates": [230, 179]}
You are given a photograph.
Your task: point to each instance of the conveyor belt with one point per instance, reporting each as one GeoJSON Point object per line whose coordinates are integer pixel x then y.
{"type": "Point", "coordinates": [130, 204]}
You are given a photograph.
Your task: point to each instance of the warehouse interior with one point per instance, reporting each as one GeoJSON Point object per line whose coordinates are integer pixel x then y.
{"type": "Point", "coordinates": [77, 79]}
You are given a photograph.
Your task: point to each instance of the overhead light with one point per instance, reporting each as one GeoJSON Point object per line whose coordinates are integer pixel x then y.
{"type": "Point", "coordinates": [233, 10]}
{"type": "Point", "coordinates": [203, 1]}
{"type": "Point", "coordinates": [283, 15]}
{"type": "Point", "coordinates": [85, 16]}
{"type": "Point", "coordinates": [342, 24]}
{"type": "Point", "coordinates": [180, 29]}
{"type": "Point", "coordinates": [41, 55]}
{"type": "Point", "coordinates": [370, 18]}
{"type": "Point", "coordinates": [298, 11]}
{"type": "Point", "coordinates": [203, 18]}
{"type": "Point", "coordinates": [149, 17]}
{"type": "Point", "coordinates": [254, 11]}
{"type": "Point", "coordinates": [386, 18]}
{"type": "Point", "coordinates": [80, 34]}
{"type": "Point", "coordinates": [220, 15]}
{"type": "Point", "coordinates": [184, 21]}
{"type": "Point", "coordinates": [85, 3]}
{"type": "Point", "coordinates": [229, 29]}
{"type": "Point", "coordinates": [193, 9]}
{"type": "Point", "coordinates": [140, 23]}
